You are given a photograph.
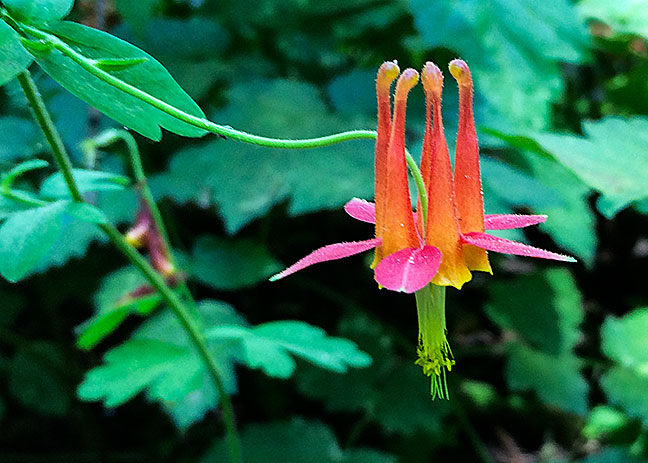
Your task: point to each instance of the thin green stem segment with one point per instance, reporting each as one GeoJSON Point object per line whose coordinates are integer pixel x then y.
{"type": "Point", "coordinates": [114, 135]}
{"type": "Point", "coordinates": [182, 313]}
{"type": "Point", "coordinates": [46, 124]}
{"type": "Point", "coordinates": [90, 66]}
{"type": "Point", "coordinates": [420, 187]}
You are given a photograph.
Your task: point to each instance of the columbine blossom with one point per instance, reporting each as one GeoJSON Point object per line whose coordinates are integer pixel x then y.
{"type": "Point", "coordinates": [445, 239]}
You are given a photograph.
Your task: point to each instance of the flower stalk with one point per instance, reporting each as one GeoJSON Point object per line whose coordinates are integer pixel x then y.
{"type": "Point", "coordinates": [434, 353]}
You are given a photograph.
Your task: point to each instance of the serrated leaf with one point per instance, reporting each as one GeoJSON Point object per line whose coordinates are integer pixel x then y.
{"type": "Point", "coordinates": [26, 236]}
{"type": "Point", "coordinates": [623, 16]}
{"type": "Point", "coordinates": [543, 309]}
{"type": "Point", "coordinates": [571, 222]}
{"type": "Point", "coordinates": [268, 346]}
{"type": "Point", "coordinates": [513, 48]}
{"type": "Point", "coordinates": [150, 77]}
{"type": "Point", "coordinates": [245, 181]}
{"type": "Point", "coordinates": [87, 180]}
{"type": "Point", "coordinates": [296, 441]}
{"type": "Point", "coordinates": [227, 264]}
{"type": "Point", "coordinates": [160, 360]}
{"type": "Point", "coordinates": [36, 378]}
{"type": "Point", "coordinates": [557, 381]}
{"type": "Point", "coordinates": [13, 57]}
{"type": "Point", "coordinates": [357, 389]}
{"type": "Point", "coordinates": [39, 11]}
{"type": "Point", "coordinates": [624, 339]}
{"type": "Point", "coordinates": [611, 158]}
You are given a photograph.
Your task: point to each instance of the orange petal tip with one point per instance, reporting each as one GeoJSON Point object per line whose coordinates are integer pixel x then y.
{"type": "Point", "coordinates": [432, 79]}
{"type": "Point", "coordinates": [407, 80]}
{"type": "Point", "coordinates": [460, 71]}
{"type": "Point", "coordinates": [387, 72]}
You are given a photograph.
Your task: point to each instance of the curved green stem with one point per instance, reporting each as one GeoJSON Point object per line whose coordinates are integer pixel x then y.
{"type": "Point", "coordinates": [176, 305]}
{"type": "Point", "coordinates": [420, 186]}
{"type": "Point", "coordinates": [114, 135]}
{"type": "Point", "coordinates": [90, 66]}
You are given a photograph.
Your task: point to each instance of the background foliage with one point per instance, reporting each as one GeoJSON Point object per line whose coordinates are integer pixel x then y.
{"type": "Point", "coordinates": [551, 360]}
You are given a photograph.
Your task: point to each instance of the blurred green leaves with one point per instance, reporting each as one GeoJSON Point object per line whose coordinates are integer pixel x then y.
{"type": "Point", "coordinates": [624, 341]}
{"type": "Point", "coordinates": [296, 441]}
{"type": "Point", "coordinates": [228, 264]}
{"type": "Point", "coordinates": [267, 347]}
{"type": "Point", "coordinates": [547, 329]}
{"type": "Point", "coordinates": [37, 378]}
{"type": "Point", "coordinates": [513, 47]}
{"type": "Point", "coordinates": [245, 181]}
{"type": "Point", "coordinates": [160, 360]}
{"type": "Point", "coordinates": [611, 158]}
{"type": "Point", "coordinates": [623, 16]}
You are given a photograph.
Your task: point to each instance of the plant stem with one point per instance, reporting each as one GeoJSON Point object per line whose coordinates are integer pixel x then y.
{"type": "Point", "coordinates": [46, 124]}
{"type": "Point", "coordinates": [176, 305]}
{"type": "Point", "coordinates": [200, 122]}
{"type": "Point", "coordinates": [113, 135]}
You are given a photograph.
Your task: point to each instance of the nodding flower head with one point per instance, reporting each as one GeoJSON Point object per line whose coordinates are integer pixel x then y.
{"type": "Point", "coordinates": [445, 239]}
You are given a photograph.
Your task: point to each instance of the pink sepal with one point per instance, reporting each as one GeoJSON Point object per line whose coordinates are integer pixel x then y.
{"type": "Point", "coordinates": [409, 269]}
{"type": "Point", "coordinates": [493, 243]}
{"type": "Point", "coordinates": [361, 209]}
{"type": "Point", "coordinates": [509, 221]}
{"type": "Point", "coordinates": [326, 253]}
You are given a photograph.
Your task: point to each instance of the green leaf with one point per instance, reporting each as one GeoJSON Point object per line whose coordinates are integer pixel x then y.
{"type": "Point", "coordinates": [571, 222]}
{"type": "Point", "coordinates": [245, 181]}
{"type": "Point", "coordinates": [611, 158]}
{"type": "Point", "coordinates": [227, 264]}
{"type": "Point", "coordinates": [118, 64]}
{"type": "Point", "coordinates": [624, 339]}
{"type": "Point", "coordinates": [86, 213]}
{"type": "Point", "coordinates": [544, 309]}
{"type": "Point", "coordinates": [296, 441]}
{"type": "Point", "coordinates": [623, 16]}
{"type": "Point", "coordinates": [13, 57]}
{"type": "Point", "coordinates": [625, 388]}
{"type": "Point", "coordinates": [150, 77]}
{"type": "Point", "coordinates": [113, 305]}
{"type": "Point", "coordinates": [512, 47]}
{"type": "Point", "coordinates": [160, 360]}
{"type": "Point", "coordinates": [36, 378]}
{"type": "Point", "coordinates": [556, 380]}
{"type": "Point", "coordinates": [268, 346]}
{"type": "Point", "coordinates": [26, 236]}
{"type": "Point", "coordinates": [603, 421]}
{"type": "Point", "coordinates": [87, 181]}
{"type": "Point", "coordinates": [39, 11]}
{"type": "Point", "coordinates": [357, 389]}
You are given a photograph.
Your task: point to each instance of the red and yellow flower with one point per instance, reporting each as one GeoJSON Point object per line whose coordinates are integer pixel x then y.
{"type": "Point", "coordinates": [439, 245]}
